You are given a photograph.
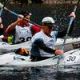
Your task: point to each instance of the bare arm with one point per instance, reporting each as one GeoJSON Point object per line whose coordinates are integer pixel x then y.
{"type": "Point", "coordinates": [11, 27]}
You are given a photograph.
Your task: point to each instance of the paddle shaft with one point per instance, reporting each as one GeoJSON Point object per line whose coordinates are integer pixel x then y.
{"type": "Point", "coordinates": [14, 13]}
{"type": "Point", "coordinates": [69, 26]}
{"type": "Point", "coordinates": [70, 23]}
{"type": "Point", "coordinates": [3, 7]}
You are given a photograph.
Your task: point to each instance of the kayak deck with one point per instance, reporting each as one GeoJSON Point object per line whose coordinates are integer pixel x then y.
{"type": "Point", "coordinates": [69, 58]}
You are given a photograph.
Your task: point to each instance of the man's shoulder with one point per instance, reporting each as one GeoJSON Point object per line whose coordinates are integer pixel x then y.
{"type": "Point", "coordinates": [38, 34]}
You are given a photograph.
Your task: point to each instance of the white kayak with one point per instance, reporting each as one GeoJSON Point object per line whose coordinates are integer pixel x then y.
{"type": "Point", "coordinates": [69, 58]}
{"type": "Point", "coordinates": [68, 45]}
{"type": "Point", "coordinates": [4, 47]}
{"type": "Point", "coordinates": [71, 43]}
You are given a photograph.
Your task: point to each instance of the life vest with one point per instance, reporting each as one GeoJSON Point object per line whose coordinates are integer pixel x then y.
{"type": "Point", "coordinates": [48, 41]}
{"type": "Point", "coordinates": [22, 34]}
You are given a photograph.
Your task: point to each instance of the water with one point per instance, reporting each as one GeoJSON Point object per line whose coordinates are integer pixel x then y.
{"type": "Point", "coordinates": [39, 73]}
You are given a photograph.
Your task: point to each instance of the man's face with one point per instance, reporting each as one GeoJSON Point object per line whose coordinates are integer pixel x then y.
{"type": "Point", "coordinates": [48, 28]}
{"type": "Point", "coordinates": [27, 19]}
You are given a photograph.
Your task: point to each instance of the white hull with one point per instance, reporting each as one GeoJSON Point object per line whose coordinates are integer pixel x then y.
{"type": "Point", "coordinates": [68, 45]}
{"type": "Point", "coordinates": [70, 58]}
{"type": "Point", "coordinates": [4, 47]}
{"type": "Point", "coordinates": [12, 59]}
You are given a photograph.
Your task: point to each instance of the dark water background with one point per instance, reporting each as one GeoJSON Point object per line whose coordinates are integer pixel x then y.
{"type": "Point", "coordinates": [38, 73]}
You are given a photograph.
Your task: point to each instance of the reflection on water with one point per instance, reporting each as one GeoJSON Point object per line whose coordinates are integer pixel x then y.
{"type": "Point", "coordinates": [68, 76]}
{"type": "Point", "coordinates": [38, 73]}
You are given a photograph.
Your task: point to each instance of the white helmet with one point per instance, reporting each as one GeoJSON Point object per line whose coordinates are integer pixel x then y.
{"type": "Point", "coordinates": [48, 20]}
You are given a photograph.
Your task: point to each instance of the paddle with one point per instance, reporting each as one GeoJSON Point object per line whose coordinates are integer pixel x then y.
{"type": "Point", "coordinates": [2, 8]}
{"type": "Point", "coordinates": [1, 5]}
{"type": "Point", "coordinates": [69, 26]}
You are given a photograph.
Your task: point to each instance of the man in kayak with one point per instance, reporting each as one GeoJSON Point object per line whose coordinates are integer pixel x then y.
{"type": "Point", "coordinates": [21, 29]}
{"type": "Point", "coordinates": [43, 42]}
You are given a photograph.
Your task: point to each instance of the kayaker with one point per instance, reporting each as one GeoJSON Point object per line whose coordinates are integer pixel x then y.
{"type": "Point", "coordinates": [21, 29]}
{"type": "Point", "coordinates": [43, 42]}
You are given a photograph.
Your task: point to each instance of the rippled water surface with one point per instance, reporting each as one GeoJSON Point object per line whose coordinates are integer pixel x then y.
{"type": "Point", "coordinates": [40, 73]}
